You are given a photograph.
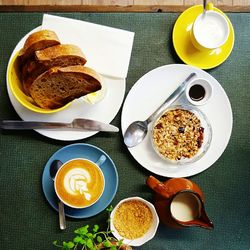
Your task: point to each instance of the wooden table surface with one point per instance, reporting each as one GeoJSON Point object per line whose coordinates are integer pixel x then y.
{"type": "Point", "coordinates": [118, 5]}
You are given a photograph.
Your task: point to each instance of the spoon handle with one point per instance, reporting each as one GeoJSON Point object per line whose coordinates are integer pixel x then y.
{"type": "Point", "coordinates": [204, 5]}
{"type": "Point", "coordinates": [173, 97]}
{"type": "Point", "coordinates": [62, 221]}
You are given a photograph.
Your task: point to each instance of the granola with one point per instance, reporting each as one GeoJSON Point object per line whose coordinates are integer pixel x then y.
{"type": "Point", "coordinates": [178, 134]}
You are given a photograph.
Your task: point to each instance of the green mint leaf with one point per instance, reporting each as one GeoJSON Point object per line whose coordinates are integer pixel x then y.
{"type": "Point", "coordinates": [95, 228]}
{"type": "Point", "coordinates": [91, 240]}
{"type": "Point", "coordinates": [107, 243]}
{"type": "Point", "coordinates": [89, 235]}
{"type": "Point", "coordinates": [70, 244]}
{"type": "Point", "coordinates": [89, 243]}
{"type": "Point", "coordinates": [77, 231]}
{"type": "Point", "coordinates": [82, 242]}
{"type": "Point", "coordinates": [55, 242]}
{"type": "Point", "coordinates": [82, 230]}
{"type": "Point", "coordinates": [77, 239]}
{"type": "Point", "coordinates": [120, 242]}
{"type": "Point", "coordinates": [109, 209]}
{"type": "Point", "coordinates": [99, 239]}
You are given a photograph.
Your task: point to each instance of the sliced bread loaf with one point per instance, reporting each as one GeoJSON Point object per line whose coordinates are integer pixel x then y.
{"type": "Point", "coordinates": [37, 41]}
{"type": "Point", "coordinates": [58, 86]}
{"type": "Point", "coordinates": [30, 71]}
{"type": "Point", "coordinates": [61, 55]}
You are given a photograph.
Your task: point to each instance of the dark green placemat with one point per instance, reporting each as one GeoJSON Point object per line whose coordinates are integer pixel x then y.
{"type": "Point", "coordinates": [26, 219]}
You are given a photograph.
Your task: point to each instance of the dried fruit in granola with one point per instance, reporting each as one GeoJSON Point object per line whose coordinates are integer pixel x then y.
{"type": "Point", "coordinates": [178, 134]}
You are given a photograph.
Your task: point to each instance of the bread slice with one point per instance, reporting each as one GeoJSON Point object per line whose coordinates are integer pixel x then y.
{"type": "Point", "coordinates": [61, 55]}
{"type": "Point", "coordinates": [37, 41]}
{"type": "Point", "coordinates": [60, 85]}
{"type": "Point", "coordinates": [30, 71]}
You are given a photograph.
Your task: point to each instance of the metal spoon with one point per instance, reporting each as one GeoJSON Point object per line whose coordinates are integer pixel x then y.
{"type": "Point", "coordinates": [137, 130]}
{"type": "Point", "coordinates": [204, 6]}
{"type": "Point", "coordinates": [55, 165]}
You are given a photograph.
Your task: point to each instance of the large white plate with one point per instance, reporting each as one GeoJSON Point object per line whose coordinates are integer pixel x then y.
{"type": "Point", "coordinates": [150, 91]}
{"type": "Point", "coordinates": [103, 111]}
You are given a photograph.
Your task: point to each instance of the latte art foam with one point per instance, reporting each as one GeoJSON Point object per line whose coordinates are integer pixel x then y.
{"type": "Point", "coordinates": [76, 182]}
{"type": "Point", "coordinates": [79, 183]}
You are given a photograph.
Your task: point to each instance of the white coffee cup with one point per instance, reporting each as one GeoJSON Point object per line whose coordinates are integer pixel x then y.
{"type": "Point", "coordinates": [199, 91]}
{"type": "Point", "coordinates": [210, 30]}
{"type": "Point", "coordinates": [80, 183]}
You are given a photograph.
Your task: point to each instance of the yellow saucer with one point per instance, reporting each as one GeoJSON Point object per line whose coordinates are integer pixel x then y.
{"type": "Point", "coordinates": [185, 49]}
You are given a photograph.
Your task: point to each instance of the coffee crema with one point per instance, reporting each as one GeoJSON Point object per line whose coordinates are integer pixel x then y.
{"type": "Point", "coordinates": [79, 183]}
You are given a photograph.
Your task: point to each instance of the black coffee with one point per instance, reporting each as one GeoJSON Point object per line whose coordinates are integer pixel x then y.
{"type": "Point", "coordinates": [197, 92]}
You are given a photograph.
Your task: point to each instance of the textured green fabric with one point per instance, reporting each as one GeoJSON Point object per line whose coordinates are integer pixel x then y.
{"type": "Point", "coordinates": [27, 221]}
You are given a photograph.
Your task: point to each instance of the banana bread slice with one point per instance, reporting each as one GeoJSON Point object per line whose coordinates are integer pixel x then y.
{"type": "Point", "coordinates": [60, 85]}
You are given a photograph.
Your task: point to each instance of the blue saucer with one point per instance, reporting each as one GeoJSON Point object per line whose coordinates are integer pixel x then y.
{"type": "Point", "coordinates": [93, 153]}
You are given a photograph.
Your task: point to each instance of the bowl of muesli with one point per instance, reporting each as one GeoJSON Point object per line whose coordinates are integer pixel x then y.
{"type": "Point", "coordinates": [181, 134]}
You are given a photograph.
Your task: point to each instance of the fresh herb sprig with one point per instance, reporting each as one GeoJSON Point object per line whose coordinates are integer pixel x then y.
{"type": "Point", "coordinates": [92, 239]}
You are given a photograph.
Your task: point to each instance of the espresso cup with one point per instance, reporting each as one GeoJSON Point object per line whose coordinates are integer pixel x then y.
{"type": "Point", "coordinates": [210, 30]}
{"type": "Point", "coordinates": [79, 183]}
{"type": "Point", "coordinates": [199, 91]}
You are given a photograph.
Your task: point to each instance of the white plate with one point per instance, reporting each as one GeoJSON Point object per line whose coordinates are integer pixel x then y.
{"type": "Point", "coordinates": [103, 111]}
{"type": "Point", "coordinates": [150, 91]}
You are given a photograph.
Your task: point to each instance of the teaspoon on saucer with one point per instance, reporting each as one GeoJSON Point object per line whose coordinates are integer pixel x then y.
{"type": "Point", "coordinates": [137, 130]}
{"type": "Point", "coordinates": [54, 167]}
{"type": "Point", "coordinates": [204, 6]}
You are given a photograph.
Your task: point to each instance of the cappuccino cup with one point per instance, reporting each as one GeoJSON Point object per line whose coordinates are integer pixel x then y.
{"type": "Point", "coordinates": [79, 183]}
{"type": "Point", "coordinates": [210, 30]}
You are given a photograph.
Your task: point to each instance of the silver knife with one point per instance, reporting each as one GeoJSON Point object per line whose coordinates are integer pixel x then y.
{"type": "Point", "coordinates": [76, 124]}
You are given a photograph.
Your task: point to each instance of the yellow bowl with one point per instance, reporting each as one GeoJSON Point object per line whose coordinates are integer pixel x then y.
{"type": "Point", "coordinates": [15, 84]}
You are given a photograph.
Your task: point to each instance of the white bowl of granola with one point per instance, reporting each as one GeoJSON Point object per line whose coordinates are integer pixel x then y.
{"type": "Point", "coordinates": [134, 221]}
{"type": "Point", "coordinates": [181, 134]}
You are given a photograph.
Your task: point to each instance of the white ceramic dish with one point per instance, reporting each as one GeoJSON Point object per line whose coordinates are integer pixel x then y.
{"type": "Point", "coordinates": [147, 236]}
{"type": "Point", "coordinates": [208, 91]}
{"type": "Point", "coordinates": [111, 103]}
{"type": "Point", "coordinates": [150, 91]}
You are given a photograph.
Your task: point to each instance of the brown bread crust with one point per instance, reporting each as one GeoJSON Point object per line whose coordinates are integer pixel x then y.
{"type": "Point", "coordinates": [58, 86]}
{"type": "Point", "coordinates": [36, 41]}
{"type": "Point", "coordinates": [61, 55]}
{"type": "Point", "coordinates": [30, 71]}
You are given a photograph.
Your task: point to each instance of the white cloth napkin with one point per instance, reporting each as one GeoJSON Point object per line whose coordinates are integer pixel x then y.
{"type": "Point", "coordinates": [107, 49]}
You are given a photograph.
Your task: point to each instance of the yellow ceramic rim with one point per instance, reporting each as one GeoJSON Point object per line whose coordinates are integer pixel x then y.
{"type": "Point", "coordinates": [16, 88]}
{"type": "Point", "coordinates": [206, 60]}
